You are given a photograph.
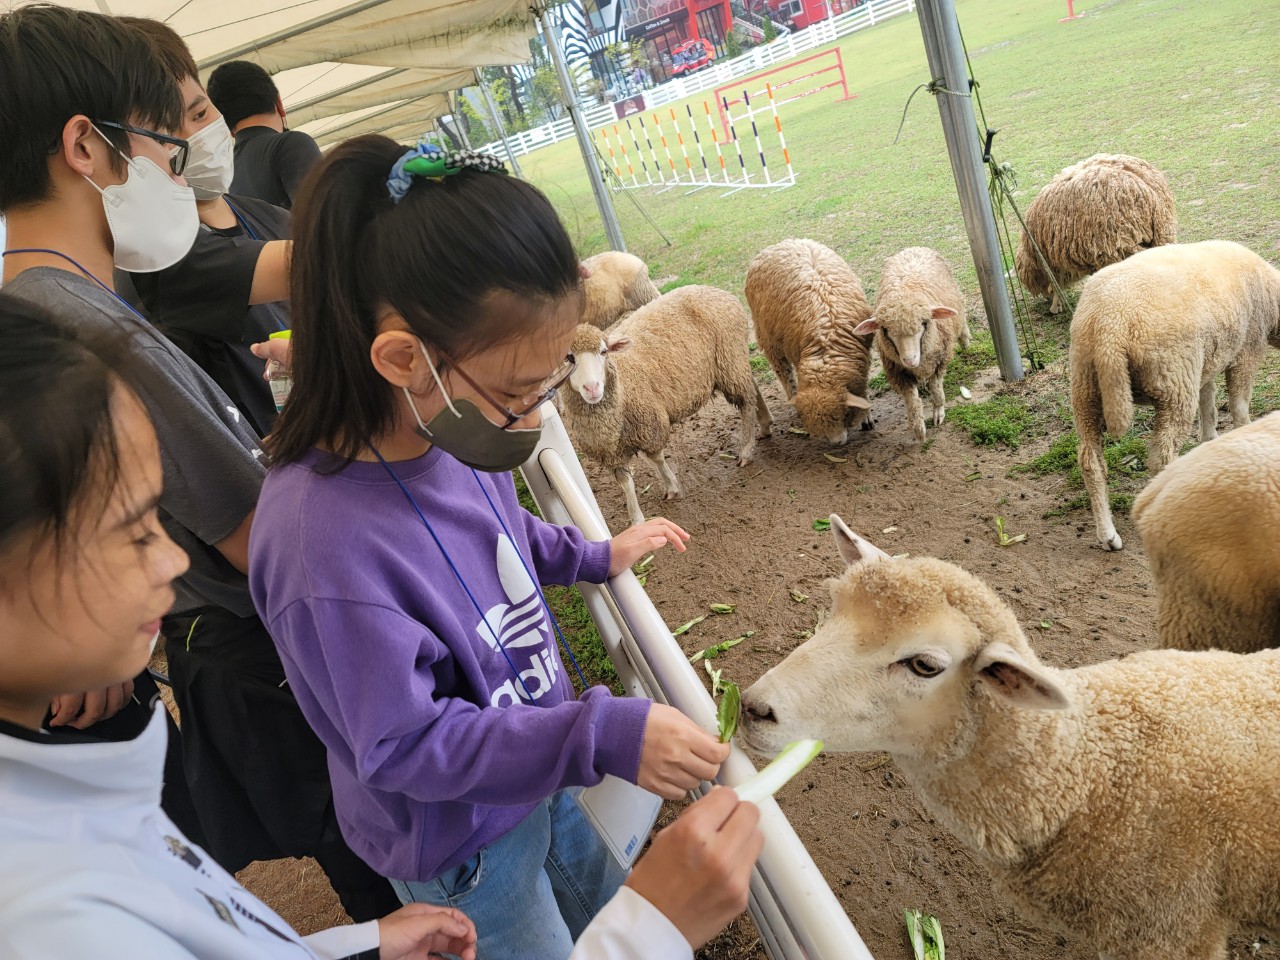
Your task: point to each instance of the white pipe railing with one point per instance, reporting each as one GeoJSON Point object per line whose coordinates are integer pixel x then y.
{"type": "Point", "coordinates": [798, 916]}
{"type": "Point", "coordinates": [758, 58]}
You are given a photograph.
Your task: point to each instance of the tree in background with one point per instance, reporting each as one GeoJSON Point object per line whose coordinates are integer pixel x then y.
{"type": "Point", "coordinates": [770, 28]}
{"type": "Point", "coordinates": [547, 97]}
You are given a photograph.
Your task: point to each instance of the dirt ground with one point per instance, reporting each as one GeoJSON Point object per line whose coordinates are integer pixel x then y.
{"type": "Point", "coordinates": [753, 544]}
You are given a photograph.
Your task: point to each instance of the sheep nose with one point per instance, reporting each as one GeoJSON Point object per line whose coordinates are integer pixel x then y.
{"type": "Point", "coordinates": [760, 712]}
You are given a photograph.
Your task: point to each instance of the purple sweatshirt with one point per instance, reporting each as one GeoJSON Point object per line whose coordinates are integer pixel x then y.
{"type": "Point", "coordinates": [434, 748]}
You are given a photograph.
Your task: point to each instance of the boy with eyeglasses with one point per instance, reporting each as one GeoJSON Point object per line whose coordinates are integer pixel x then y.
{"type": "Point", "coordinates": [90, 181]}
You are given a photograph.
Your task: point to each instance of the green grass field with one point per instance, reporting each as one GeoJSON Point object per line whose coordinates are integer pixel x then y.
{"type": "Point", "coordinates": [1187, 85]}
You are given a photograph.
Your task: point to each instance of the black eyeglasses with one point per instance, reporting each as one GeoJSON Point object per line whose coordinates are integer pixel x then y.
{"type": "Point", "coordinates": [179, 148]}
{"type": "Point", "coordinates": [545, 390]}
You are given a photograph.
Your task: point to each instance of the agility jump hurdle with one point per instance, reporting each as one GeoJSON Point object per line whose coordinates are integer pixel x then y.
{"type": "Point", "coordinates": [835, 66]}
{"type": "Point", "coordinates": [695, 169]}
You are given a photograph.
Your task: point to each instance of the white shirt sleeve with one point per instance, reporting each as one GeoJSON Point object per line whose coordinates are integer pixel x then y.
{"type": "Point", "coordinates": [338, 942]}
{"type": "Point", "coordinates": [631, 928]}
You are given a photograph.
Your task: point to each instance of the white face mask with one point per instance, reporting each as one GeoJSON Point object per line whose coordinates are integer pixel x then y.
{"type": "Point", "coordinates": [211, 162]}
{"type": "Point", "coordinates": [153, 220]}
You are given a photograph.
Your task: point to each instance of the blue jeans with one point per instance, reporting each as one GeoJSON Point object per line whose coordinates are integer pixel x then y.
{"type": "Point", "coordinates": [532, 892]}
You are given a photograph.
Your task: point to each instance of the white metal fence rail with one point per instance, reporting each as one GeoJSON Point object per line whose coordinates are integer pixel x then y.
{"type": "Point", "coordinates": [724, 71]}
{"type": "Point", "coordinates": [798, 916]}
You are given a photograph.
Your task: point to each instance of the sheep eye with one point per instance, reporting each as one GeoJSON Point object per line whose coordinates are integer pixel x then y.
{"type": "Point", "coordinates": [922, 666]}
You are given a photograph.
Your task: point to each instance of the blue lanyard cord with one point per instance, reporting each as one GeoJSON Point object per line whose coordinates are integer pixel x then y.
{"type": "Point", "coordinates": [240, 219]}
{"type": "Point", "coordinates": [59, 253]}
{"type": "Point", "coordinates": [541, 596]}
{"type": "Point", "coordinates": [497, 636]}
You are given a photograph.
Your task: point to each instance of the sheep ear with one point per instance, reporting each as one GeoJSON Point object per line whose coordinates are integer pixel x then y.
{"type": "Point", "coordinates": [942, 313]}
{"type": "Point", "coordinates": [1008, 674]}
{"type": "Point", "coordinates": [853, 400]}
{"type": "Point", "coordinates": [853, 548]}
{"type": "Point", "coordinates": [617, 344]}
{"type": "Point", "coordinates": [869, 325]}
{"type": "Point", "coordinates": [584, 271]}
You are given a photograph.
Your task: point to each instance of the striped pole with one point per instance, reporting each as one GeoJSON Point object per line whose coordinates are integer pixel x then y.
{"type": "Point", "coordinates": [698, 140]}
{"type": "Point", "coordinates": [688, 164]}
{"type": "Point", "coordinates": [648, 177]}
{"type": "Point", "coordinates": [653, 153]}
{"type": "Point", "coordinates": [751, 114]}
{"type": "Point", "coordinates": [711, 125]}
{"type": "Point", "coordinates": [777, 122]}
{"type": "Point", "coordinates": [631, 170]}
{"type": "Point", "coordinates": [733, 135]}
{"type": "Point", "coordinates": [604, 134]}
{"type": "Point", "coordinates": [667, 150]}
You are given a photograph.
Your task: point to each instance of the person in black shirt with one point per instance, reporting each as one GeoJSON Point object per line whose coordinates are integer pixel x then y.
{"type": "Point", "coordinates": [270, 159]}
{"type": "Point", "coordinates": [214, 302]}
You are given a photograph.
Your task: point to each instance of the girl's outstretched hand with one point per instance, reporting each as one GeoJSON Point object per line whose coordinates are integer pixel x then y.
{"type": "Point", "coordinates": [420, 930]}
{"type": "Point", "coordinates": [634, 542]}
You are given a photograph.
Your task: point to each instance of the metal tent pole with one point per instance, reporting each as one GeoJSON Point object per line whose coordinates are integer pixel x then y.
{"type": "Point", "coordinates": [942, 45]}
{"type": "Point", "coordinates": [498, 124]}
{"type": "Point", "coordinates": [613, 232]}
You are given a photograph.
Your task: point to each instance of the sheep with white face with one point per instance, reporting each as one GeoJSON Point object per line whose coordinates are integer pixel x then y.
{"type": "Point", "coordinates": [919, 321]}
{"type": "Point", "coordinates": [1130, 803]}
{"type": "Point", "coordinates": [655, 368]}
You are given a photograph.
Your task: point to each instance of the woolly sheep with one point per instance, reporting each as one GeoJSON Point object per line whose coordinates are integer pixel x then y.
{"type": "Point", "coordinates": [1157, 329]}
{"type": "Point", "coordinates": [1094, 213]}
{"type": "Point", "coordinates": [805, 302]}
{"type": "Point", "coordinates": [919, 318]}
{"type": "Point", "coordinates": [1130, 803]}
{"type": "Point", "coordinates": [617, 284]}
{"type": "Point", "coordinates": [1210, 524]}
{"type": "Point", "coordinates": [654, 369]}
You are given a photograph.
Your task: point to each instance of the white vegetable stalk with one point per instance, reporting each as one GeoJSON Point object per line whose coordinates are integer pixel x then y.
{"type": "Point", "coordinates": [793, 758]}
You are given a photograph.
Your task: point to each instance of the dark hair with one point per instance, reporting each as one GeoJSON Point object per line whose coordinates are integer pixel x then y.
{"type": "Point", "coordinates": [169, 47]}
{"type": "Point", "coordinates": [435, 258]}
{"type": "Point", "coordinates": [57, 437]}
{"type": "Point", "coordinates": [56, 63]}
{"type": "Point", "coordinates": [241, 89]}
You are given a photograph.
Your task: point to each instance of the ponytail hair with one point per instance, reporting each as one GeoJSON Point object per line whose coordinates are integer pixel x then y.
{"type": "Point", "coordinates": [436, 258]}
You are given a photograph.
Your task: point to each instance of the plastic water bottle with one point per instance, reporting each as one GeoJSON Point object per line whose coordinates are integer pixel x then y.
{"type": "Point", "coordinates": [279, 375]}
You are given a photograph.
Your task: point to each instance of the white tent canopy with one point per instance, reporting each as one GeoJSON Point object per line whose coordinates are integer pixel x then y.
{"type": "Point", "coordinates": [343, 63]}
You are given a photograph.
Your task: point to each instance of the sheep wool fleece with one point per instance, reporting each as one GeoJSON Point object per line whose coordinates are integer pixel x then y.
{"type": "Point", "coordinates": [434, 748]}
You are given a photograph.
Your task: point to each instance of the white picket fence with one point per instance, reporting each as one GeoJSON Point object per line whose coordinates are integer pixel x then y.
{"type": "Point", "coordinates": [758, 58]}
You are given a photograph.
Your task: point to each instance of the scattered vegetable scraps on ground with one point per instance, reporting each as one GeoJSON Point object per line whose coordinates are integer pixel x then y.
{"type": "Point", "coordinates": [713, 651]}
{"type": "Point", "coordinates": [925, 934]}
{"type": "Point", "coordinates": [684, 627]}
{"type": "Point", "coordinates": [821, 525]}
{"type": "Point", "coordinates": [1004, 539]}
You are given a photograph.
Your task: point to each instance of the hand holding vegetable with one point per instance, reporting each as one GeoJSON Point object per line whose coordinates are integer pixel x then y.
{"type": "Point", "coordinates": [698, 869]}
{"type": "Point", "coordinates": [634, 542]}
{"type": "Point", "coordinates": [677, 754]}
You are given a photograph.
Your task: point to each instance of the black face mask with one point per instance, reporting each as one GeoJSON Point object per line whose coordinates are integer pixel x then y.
{"type": "Point", "coordinates": [466, 434]}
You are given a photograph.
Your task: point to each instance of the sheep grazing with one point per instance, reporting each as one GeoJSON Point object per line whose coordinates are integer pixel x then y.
{"type": "Point", "coordinates": [655, 369]}
{"type": "Point", "coordinates": [1157, 329]}
{"type": "Point", "coordinates": [919, 318]}
{"type": "Point", "coordinates": [1130, 803]}
{"type": "Point", "coordinates": [805, 302]}
{"type": "Point", "coordinates": [1216, 564]}
{"type": "Point", "coordinates": [616, 284]}
{"type": "Point", "coordinates": [1094, 213]}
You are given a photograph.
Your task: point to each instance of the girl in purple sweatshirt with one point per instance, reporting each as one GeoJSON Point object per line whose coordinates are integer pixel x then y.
{"type": "Point", "coordinates": [434, 300]}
